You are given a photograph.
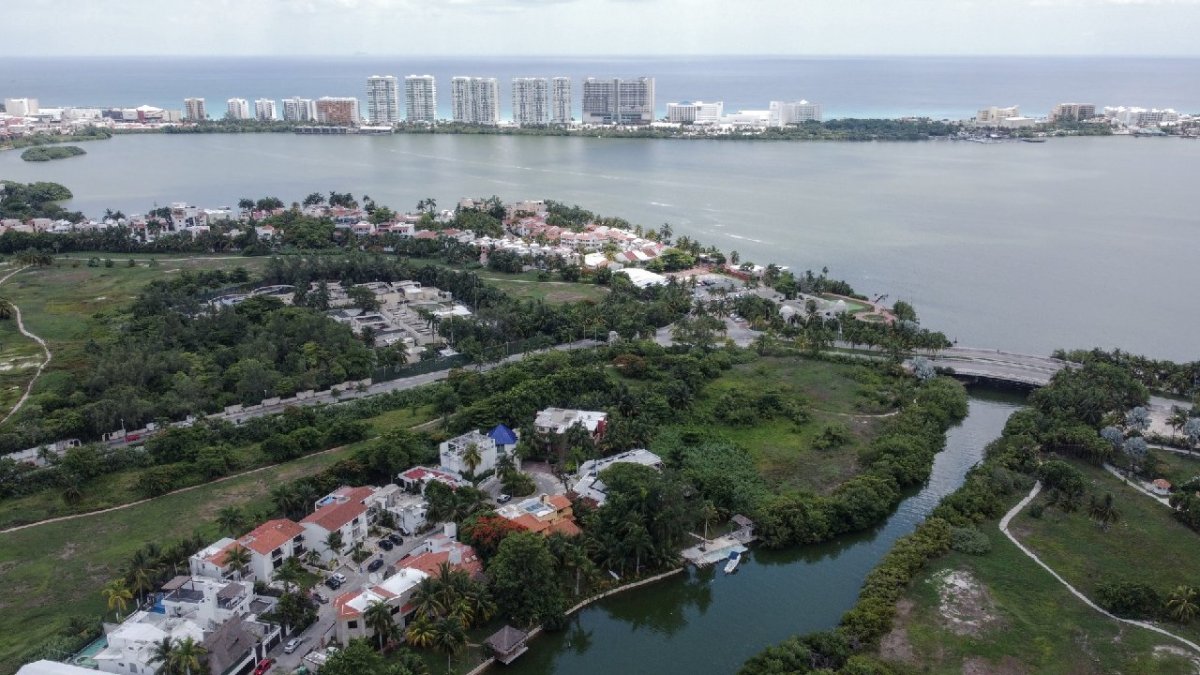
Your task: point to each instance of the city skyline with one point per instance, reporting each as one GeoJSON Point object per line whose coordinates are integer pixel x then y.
{"type": "Point", "coordinates": [595, 27]}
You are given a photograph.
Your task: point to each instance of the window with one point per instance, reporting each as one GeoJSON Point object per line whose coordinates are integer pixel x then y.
{"type": "Point", "coordinates": [352, 625]}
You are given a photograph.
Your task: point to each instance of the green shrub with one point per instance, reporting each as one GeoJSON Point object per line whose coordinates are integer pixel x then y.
{"type": "Point", "coordinates": [970, 540]}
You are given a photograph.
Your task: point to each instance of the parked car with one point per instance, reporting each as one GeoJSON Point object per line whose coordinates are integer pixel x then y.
{"type": "Point", "coordinates": [321, 598]}
{"type": "Point", "coordinates": [291, 646]}
{"type": "Point", "coordinates": [375, 564]}
{"type": "Point", "coordinates": [263, 666]}
{"type": "Point", "coordinates": [341, 578]}
{"type": "Point", "coordinates": [503, 499]}
{"type": "Point", "coordinates": [333, 583]}
{"type": "Point", "coordinates": [386, 545]}
{"type": "Point", "coordinates": [395, 538]}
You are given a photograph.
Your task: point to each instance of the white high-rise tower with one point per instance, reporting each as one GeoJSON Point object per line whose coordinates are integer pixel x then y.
{"type": "Point", "coordinates": [420, 95]}
{"type": "Point", "coordinates": [561, 101]}
{"type": "Point", "coordinates": [530, 101]}
{"type": "Point", "coordinates": [383, 100]}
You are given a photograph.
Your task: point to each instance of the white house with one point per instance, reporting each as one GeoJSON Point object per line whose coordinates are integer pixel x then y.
{"type": "Point", "coordinates": [271, 544]}
{"type": "Point", "coordinates": [588, 484]}
{"type": "Point", "coordinates": [407, 510]}
{"type": "Point", "coordinates": [556, 421]}
{"type": "Point", "coordinates": [344, 510]}
{"type": "Point", "coordinates": [419, 477]}
{"type": "Point", "coordinates": [131, 644]}
{"type": "Point", "coordinates": [396, 591]}
{"type": "Point", "coordinates": [207, 602]}
{"type": "Point", "coordinates": [497, 443]}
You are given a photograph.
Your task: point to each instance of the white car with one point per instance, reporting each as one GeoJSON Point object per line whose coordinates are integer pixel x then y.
{"type": "Point", "coordinates": [503, 499]}
{"type": "Point", "coordinates": [341, 578]}
{"type": "Point", "coordinates": [292, 645]}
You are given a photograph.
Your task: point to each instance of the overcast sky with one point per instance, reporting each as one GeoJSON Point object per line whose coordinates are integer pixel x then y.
{"type": "Point", "coordinates": [598, 27]}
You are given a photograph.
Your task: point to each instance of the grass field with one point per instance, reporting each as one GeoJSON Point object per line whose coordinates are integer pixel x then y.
{"type": "Point", "coordinates": [1028, 623]}
{"type": "Point", "coordinates": [1147, 544]}
{"type": "Point", "coordinates": [1177, 468]}
{"type": "Point", "coordinates": [784, 453]}
{"type": "Point", "coordinates": [53, 572]}
{"type": "Point", "coordinates": [526, 284]}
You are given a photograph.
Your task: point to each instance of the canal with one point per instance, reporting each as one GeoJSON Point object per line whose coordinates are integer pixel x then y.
{"type": "Point", "coordinates": [706, 622]}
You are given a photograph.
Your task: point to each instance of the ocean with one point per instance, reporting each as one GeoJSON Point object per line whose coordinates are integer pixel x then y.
{"type": "Point", "coordinates": [938, 87]}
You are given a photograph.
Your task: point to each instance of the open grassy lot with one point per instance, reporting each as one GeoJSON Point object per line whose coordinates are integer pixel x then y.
{"type": "Point", "coordinates": [1005, 614]}
{"type": "Point", "coordinates": [848, 396]}
{"type": "Point", "coordinates": [1175, 467]}
{"type": "Point", "coordinates": [119, 488]}
{"type": "Point", "coordinates": [551, 292]}
{"type": "Point", "coordinates": [52, 572]}
{"type": "Point", "coordinates": [19, 359]}
{"type": "Point", "coordinates": [1147, 544]}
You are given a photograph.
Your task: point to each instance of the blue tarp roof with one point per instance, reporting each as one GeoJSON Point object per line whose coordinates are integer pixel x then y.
{"type": "Point", "coordinates": [503, 435]}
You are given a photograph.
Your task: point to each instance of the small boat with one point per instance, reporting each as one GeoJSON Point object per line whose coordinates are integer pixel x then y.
{"type": "Point", "coordinates": [731, 563]}
{"type": "Point", "coordinates": [1035, 139]}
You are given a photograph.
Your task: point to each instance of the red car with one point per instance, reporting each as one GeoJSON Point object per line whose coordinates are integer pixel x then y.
{"type": "Point", "coordinates": [264, 666]}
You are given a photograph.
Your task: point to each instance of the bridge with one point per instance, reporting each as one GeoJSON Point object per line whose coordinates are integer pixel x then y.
{"type": "Point", "coordinates": [999, 366]}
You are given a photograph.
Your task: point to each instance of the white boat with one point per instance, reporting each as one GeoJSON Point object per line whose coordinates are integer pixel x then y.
{"type": "Point", "coordinates": [732, 562]}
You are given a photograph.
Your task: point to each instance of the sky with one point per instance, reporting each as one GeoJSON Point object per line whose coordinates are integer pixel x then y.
{"type": "Point", "coordinates": [599, 27]}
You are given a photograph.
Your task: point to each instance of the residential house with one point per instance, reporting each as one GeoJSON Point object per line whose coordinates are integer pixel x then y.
{"type": "Point", "coordinates": [444, 549]}
{"type": "Point", "coordinates": [588, 484]}
{"type": "Point", "coordinates": [239, 644]}
{"type": "Point", "coordinates": [207, 602]}
{"type": "Point", "coordinates": [453, 453]}
{"type": "Point", "coordinates": [271, 544]}
{"type": "Point", "coordinates": [130, 648]}
{"type": "Point", "coordinates": [396, 591]}
{"type": "Point", "coordinates": [344, 510]}
{"type": "Point", "coordinates": [46, 667]}
{"type": "Point", "coordinates": [417, 478]}
{"type": "Point", "coordinates": [408, 510]}
{"type": "Point", "coordinates": [553, 424]}
{"type": "Point", "coordinates": [544, 514]}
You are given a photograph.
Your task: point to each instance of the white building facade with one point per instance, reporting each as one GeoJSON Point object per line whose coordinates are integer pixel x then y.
{"type": "Point", "coordinates": [383, 99]}
{"type": "Point", "coordinates": [695, 112]}
{"type": "Point", "coordinates": [420, 97]}
{"type": "Point", "coordinates": [475, 100]}
{"type": "Point", "coordinates": [299, 110]}
{"type": "Point", "coordinates": [618, 101]}
{"type": "Point", "coordinates": [264, 109]}
{"type": "Point", "coordinates": [783, 113]}
{"type": "Point", "coordinates": [560, 101]}
{"type": "Point", "coordinates": [237, 109]}
{"type": "Point", "coordinates": [530, 101]}
{"type": "Point", "coordinates": [193, 110]}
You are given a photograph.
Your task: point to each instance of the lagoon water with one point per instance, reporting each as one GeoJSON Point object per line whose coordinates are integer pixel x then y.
{"type": "Point", "coordinates": [1076, 242]}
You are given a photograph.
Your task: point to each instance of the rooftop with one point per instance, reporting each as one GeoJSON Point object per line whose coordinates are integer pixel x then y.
{"type": "Point", "coordinates": [271, 535]}
{"type": "Point", "coordinates": [339, 508]}
{"type": "Point", "coordinates": [558, 420]}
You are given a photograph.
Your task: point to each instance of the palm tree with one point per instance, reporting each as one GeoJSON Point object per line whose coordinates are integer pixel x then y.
{"type": "Point", "coordinates": [189, 655]}
{"type": "Point", "coordinates": [378, 618]}
{"type": "Point", "coordinates": [334, 542]}
{"type": "Point", "coordinates": [420, 632]}
{"type": "Point", "coordinates": [1178, 418]}
{"type": "Point", "coordinates": [449, 637]}
{"type": "Point", "coordinates": [426, 598]}
{"type": "Point", "coordinates": [1182, 604]}
{"type": "Point", "coordinates": [637, 542]}
{"type": "Point", "coordinates": [141, 579]}
{"type": "Point", "coordinates": [472, 457]}
{"type": "Point", "coordinates": [709, 512]}
{"type": "Point", "coordinates": [289, 574]}
{"type": "Point", "coordinates": [1103, 511]}
{"type": "Point", "coordinates": [165, 653]}
{"type": "Point", "coordinates": [117, 595]}
{"type": "Point", "coordinates": [231, 519]}
{"type": "Point", "coordinates": [238, 559]}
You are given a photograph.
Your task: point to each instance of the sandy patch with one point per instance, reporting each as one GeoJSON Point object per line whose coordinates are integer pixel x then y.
{"type": "Point", "coordinates": [895, 646]}
{"type": "Point", "coordinates": [1171, 650]}
{"type": "Point", "coordinates": [964, 603]}
{"type": "Point", "coordinates": [1007, 666]}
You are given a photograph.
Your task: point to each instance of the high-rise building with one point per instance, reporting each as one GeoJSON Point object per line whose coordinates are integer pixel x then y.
{"type": "Point", "coordinates": [383, 100]}
{"type": "Point", "coordinates": [264, 109]}
{"type": "Point", "coordinates": [560, 101]}
{"type": "Point", "coordinates": [530, 101]}
{"type": "Point", "coordinates": [695, 112]}
{"type": "Point", "coordinates": [339, 110]}
{"type": "Point", "coordinates": [420, 98]}
{"type": "Point", "coordinates": [784, 113]}
{"type": "Point", "coordinates": [617, 101]}
{"type": "Point", "coordinates": [237, 109]}
{"type": "Point", "coordinates": [21, 107]}
{"type": "Point", "coordinates": [1073, 112]}
{"type": "Point", "coordinates": [993, 116]}
{"type": "Point", "coordinates": [193, 110]}
{"type": "Point", "coordinates": [299, 110]}
{"type": "Point", "coordinates": [475, 100]}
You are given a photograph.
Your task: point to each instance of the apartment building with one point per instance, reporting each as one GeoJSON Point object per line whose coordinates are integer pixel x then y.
{"type": "Point", "coordinates": [530, 101]}
{"type": "Point", "coordinates": [475, 100]}
{"type": "Point", "coordinates": [618, 101]}
{"type": "Point", "coordinates": [560, 101]}
{"type": "Point", "coordinates": [420, 97]}
{"type": "Point", "coordinates": [383, 99]}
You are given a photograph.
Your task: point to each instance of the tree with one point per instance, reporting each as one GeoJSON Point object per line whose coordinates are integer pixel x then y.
{"type": "Point", "coordinates": [449, 637]}
{"type": "Point", "coordinates": [289, 574]}
{"type": "Point", "coordinates": [420, 632]}
{"type": "Point", "coordinates": [1103, 512]}
{"type": "Point", "coordinates": [378, 618]}
{"type": "Point", "coordinates": [1178, 418]}
{"type": "Point", "coordinates": [238, 559]}
{"type": "Point", "coordinates": [363, 298]}
{"type": "Point", "coordinates": [231, 519]}
{"type": "Point", "coordinates": [523, 580]}
{"type": "Point", "coordinates": [1191, 431]}
{"type": "Point", "coordinates": [923, 368]}
{"type": "Point", "coordinates": [734, 257]}
{"type": "Point", "coordinates": [164, 652]}
{"type": "Point", "coordinates": [1137, 419]}
{"type": "Point", "coordinates": [117, 595]}
{"type": "Point", "coordinates": [1182, 604]}
{"type": "Point", "coordinates": [472, 457]}
{"type": "Point", "coordinates": [1135, 449]}
{"type": "Point", "coordinates": [189, 655]}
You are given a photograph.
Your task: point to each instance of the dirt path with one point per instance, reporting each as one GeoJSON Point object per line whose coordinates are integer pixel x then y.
{"type": "Point", "coordinates": [40, 341]}
{"type": "Point", "coordinates": [1140, 624]}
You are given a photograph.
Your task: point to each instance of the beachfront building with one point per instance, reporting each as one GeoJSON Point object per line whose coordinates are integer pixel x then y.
{"type": "Point", "coordinates": [618, 101]}
{"type": "Point", "coordinates": [264, 109]}
{"type": "Point", "coordinates": [420, 98]}
{"type": "Point", "coordinates": [560, 101]}
{"type": "Point", "coordinates": [783, 113]}
{"type": "Point", "coordinates": [338, 110]}
{"type": "Point", "coordinates": [475, 100]}
{"type": "Point", "coordinates": [530, 101]}
{"type": "Point", "coordinates": [1072, 112]}
{"type": "Point", "coordinates": [298, 109]}
{"type": "Point", "coordinates": [193, 110]}
{"type": "Point", "coordinates": [383, 99]}
{"type": "Point", "coordinates": [237, 109]}
{"type": "Point", "coordinates": [1141, 117]}
{"type": "Point", "coordinates": [695, 112]}
{"type": "Point", "coordinates": [21, 107]}
{"type": "Point", "coordinates": [994, 115]}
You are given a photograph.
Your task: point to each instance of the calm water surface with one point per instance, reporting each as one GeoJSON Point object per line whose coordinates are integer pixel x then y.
{"type": "Point", "coordinates": [707, 622]}
{"type": "Point", "coordinates": [1029, 247]}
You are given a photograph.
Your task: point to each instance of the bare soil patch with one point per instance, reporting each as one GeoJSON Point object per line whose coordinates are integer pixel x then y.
{"type": "Point", "coordinates": [964, 603]}
{"type": "Point", "coordinates": [895, 646]}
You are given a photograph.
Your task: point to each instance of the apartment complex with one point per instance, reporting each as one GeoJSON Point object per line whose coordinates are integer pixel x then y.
{"type": "Point", "coordinates": [21, 107]}
{"type": "Point", "coordinates": [420, 96]}
{"type": "Point", "coordinates": [1142, 117]}
{"type": "Point", "coordinates": [1073, 112]}
{"type": "Point", "coordinates": [193, 110]}
{"type": "Point", "coordinates": [264, 109]}
{"type": "Point", "coordinates": [237, 109]}
{"type": "Point", "coordinates": [560, 101]}
{"type": "Point", "coordinates": [993, 116]}
{"type": "Point", "coordinates": [783, 113]}
{"type": "Point", "coordinates": [299, 110]}
{"type": "Point", "coordinates": [475, 100]}
{"type": "Point", "coordinates": [618, 101]}
{"type": "Point", "coordinates": [695, 112]}
{"type": "Point", "coordinates": [530, 101]}
{"type": "Point", "coordinates": [339, 110]}
{"type": "Point", "coordinates": [383, 99]}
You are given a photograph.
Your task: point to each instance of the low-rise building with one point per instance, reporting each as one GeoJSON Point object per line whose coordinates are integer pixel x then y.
{"type": "Point", "coordinates": [344, 511]}
{"type": "Point", "coordinates": [588, 484]}
{"type": "Point", "coordinates": [444, 549]}
{"type": "Point", "coordinates": [271, 544]}
{"type": "Point", "coordinates": [556, 422]}
{"type": "Point", "coordinates": [395, 591]}
{"type": "Point", "coordinates": [208, 602]}
{"type": "Point", "coordinates": [407, 510]}
{"type": "Point", "coordinates": [490, 447]}
{"type": "Point", "coordinates": [545, 515]}
{"type": "Point", "coordinates": [417, 478]}
{"type": "Point", "coordinates": [131, 644]}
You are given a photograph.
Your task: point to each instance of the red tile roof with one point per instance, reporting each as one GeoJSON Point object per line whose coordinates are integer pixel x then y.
{"type": "Point", "coordinates": [271, 535]}
{"type": "Point", "coordinates": [557, 502]}
{"type": "Point", "coordinates": [430, 563]}
{"type": "Point", "coordinates": [333, 516]}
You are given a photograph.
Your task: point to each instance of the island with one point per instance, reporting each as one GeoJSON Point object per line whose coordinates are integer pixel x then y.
{"type": "Point", "coordinates": [45, 153]}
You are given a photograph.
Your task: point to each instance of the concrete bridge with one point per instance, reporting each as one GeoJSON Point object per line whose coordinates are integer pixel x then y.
{"type": "Point", "coordinates": [999, 366]}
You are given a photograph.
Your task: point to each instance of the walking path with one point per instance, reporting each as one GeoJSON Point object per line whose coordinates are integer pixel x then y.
{"type": "Point", "coordinates": [40, 341]}
{"type": "Point", "coordinates": [1140, 624]}
{"type": "Point", "coordinates": [1117, 472]}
